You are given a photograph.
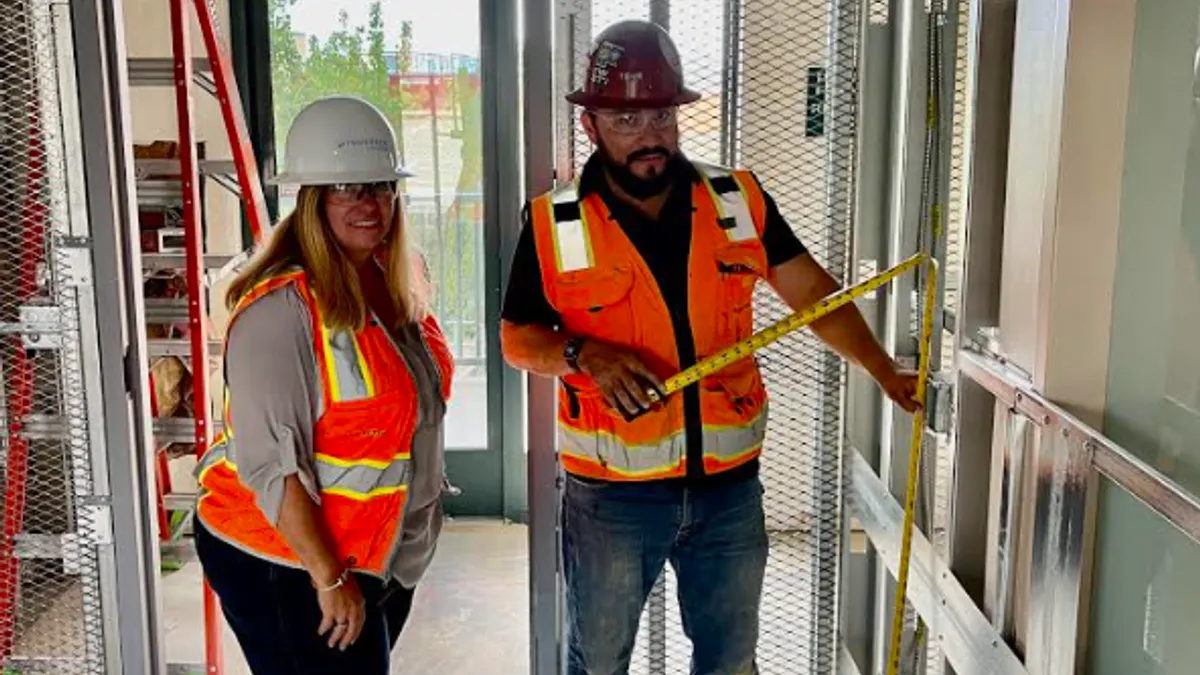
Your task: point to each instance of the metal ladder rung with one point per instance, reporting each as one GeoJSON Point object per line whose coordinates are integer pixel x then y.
{"type": "Point", "coordinates": [186, 669]}
{"type": "Point", "coordinates": [178, 261]}
{"type": "Point", "coordinates": [171, 167]}
{"type": "Point", "coordinates": [179, 429]}
{"type": "Point", "coordinates": [159, 72]}
{"type": "Point", "coordinates": [166, 310]}
{"type": "Point", "coordinates": [179, 501]}
{"type": "Point", "coordinates": [166, 429]}
{"type": "Point", "coordinates": [181, 347]}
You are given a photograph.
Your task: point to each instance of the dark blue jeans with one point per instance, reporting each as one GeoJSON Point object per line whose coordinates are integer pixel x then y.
{"type": "Point", "coordinates": [616, 539]}
{"type": "Point", "coordinates": [273, 611]}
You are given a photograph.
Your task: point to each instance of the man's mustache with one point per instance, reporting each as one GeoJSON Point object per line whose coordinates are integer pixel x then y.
{"type": "Point", "coordinates": [646, 153]}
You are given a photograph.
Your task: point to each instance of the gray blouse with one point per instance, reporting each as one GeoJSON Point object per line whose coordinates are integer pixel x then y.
{"type": "Point", "coordinates": [276, 399]}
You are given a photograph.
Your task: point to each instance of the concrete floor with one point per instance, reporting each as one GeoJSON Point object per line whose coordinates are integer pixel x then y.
{"type": "Point", "coordinates": [470, 614]}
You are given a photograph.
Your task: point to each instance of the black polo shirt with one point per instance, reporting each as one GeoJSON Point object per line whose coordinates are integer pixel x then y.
{"type": "Point", "coordinates": [664, 244]}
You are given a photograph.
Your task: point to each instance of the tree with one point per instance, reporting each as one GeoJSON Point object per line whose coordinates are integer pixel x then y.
{"type": "Point", "coordinates": [355, 60]}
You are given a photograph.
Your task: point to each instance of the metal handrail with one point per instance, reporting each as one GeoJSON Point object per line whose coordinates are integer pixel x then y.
{"type": "Point", "coordinates": [1160, 493]}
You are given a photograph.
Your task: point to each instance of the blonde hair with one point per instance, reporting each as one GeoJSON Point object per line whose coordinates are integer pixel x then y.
{"type": "Point", "coordinates": [303, 239]}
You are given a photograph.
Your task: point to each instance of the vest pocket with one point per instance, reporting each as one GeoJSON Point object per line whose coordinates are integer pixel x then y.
{"type": "Point", "coordinates": [595, 302]}
{"type": "Point", "coordinates": [739, 267]}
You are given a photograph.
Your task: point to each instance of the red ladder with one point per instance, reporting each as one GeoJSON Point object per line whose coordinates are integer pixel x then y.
{"type": "Point", "coordinates": [219, 81]}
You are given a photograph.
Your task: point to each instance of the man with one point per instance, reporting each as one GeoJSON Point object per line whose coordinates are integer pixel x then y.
{"type": "Point", "coordinates": [644, 267]}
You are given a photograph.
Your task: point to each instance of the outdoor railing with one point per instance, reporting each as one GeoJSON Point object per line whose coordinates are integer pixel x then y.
{"type": "Point", "coordinates": [448, 228]}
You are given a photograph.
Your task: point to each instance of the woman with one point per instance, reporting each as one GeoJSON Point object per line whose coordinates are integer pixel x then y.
{"type": "Point", "coordinates": [320, 501]}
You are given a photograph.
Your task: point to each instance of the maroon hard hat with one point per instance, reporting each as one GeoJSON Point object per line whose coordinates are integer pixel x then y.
{"type": "Point", "coordinates": [633, 64]}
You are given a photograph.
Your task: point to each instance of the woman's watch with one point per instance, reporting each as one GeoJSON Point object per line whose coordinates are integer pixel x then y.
{"type": "Point", "coordinates": [571, 353]}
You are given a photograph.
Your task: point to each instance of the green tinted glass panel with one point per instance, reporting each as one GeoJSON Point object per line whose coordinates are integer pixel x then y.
{"type": "Point", "coordinates": [1147, 585]}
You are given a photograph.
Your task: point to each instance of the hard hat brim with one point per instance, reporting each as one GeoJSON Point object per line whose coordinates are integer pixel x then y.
{"type": "Point", "coordinates": [298, 178]}
{"type": "Point", "coordinates": [582, 98]}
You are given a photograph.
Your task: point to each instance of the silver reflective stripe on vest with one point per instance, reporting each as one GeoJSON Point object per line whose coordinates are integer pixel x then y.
{"type": "Point", "coordinates": [572, 248]}
{"type": "Point", "coordinates": [730, 205]}
{"type": "Point", "coordinates": [349, 379]}
{"type": "Point", "coordinates": [724, 444]}
{"type": "Point", "coordinates": [729, 444]}
{"type": "Point", "coordinates": [362, 479]}
{"type": "Point", "coordinates": [632, 461]}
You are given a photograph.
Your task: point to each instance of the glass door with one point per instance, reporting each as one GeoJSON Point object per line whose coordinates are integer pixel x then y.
{"type": "Point", "coordinates": [418, 62]}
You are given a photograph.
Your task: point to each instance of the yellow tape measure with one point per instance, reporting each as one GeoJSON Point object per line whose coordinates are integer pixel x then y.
{"type": "Point", "coordinates": [914, 471]}
{"type": "Point", "coordinates": [828, 305]}
{"type": "Point", "coordinates": [774, 332]}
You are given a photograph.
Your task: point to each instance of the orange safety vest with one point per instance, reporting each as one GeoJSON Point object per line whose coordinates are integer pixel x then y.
{"type": "Point", "coordinates": [362, 444]}
{"type": "Point", "coordinates": [599, 284]}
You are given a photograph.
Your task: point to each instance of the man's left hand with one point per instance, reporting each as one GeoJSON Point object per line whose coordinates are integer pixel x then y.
{"type": "Point", "coordinates": [900, 385]}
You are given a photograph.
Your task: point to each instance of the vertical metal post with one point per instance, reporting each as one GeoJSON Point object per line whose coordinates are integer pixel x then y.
{"type": "Point", "coordinates": [897, 297]}
{"type": "Point", "coordinates": [1065, 504]}
{"type": "Point", "coordinates": [844, 69]}
{"type": "Point", "coordinates": [98, 29]}
{"type": "Point", "coordinates": [989, 86]}
{"type": "Point", "coordinates": [437, 190]}
{"type": "Point", "coordinates": [660, 13]}
{"type": "Point", "coordinates": [730, 79]}
{"type": "Point", "coordinates": [545, 624]}
{"type": "Point", "coordinates": [502, 166]}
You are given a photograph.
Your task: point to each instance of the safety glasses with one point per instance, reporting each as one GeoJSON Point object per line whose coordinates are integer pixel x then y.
{"type": "Point", "coordinates": [348, 193]}
{"type": "Point", "coordinates": [634, 122]}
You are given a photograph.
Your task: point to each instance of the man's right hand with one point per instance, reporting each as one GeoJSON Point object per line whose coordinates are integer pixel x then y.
{"type": "Point", "coordinates": [621, 376]}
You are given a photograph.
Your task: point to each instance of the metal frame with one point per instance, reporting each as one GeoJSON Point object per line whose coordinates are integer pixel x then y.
{"type": "Point", "coordinates": [968, 640]}
{"type": "Point", "coordinates": [545, 599]}
{"type": "Point", "coordinates": [502, 198]}
{"type": "Point", "coordinates": [1164, 496]}
{"type": "Point", "coordinates": [98, 29]}
{"type": "Point", "coordinates": [903, 194]}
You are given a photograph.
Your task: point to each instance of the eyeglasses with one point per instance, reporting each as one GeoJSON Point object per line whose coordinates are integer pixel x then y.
{"type": "Point", "coordinates": [634, 122]}
{"type": "Point", "coordinates": [348, 193]}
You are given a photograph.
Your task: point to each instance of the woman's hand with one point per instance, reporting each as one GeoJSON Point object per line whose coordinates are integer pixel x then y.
{"type": "Point", "coordinates": [343, 613]}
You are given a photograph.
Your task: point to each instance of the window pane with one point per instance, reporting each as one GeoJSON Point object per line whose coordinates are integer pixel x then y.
{"type": "Point", "coordinates": [418, 62]}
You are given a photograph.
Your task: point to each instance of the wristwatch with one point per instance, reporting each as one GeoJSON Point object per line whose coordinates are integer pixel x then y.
{"type": "Point", "coordinates": [571, 353]}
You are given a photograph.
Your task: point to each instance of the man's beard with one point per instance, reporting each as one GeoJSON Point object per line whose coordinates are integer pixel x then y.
{"type": "Point", "coordinates": [635, 186]}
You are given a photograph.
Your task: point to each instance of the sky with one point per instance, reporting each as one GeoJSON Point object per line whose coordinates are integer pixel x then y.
{"type": "Point", "coordinates": [443, 26]}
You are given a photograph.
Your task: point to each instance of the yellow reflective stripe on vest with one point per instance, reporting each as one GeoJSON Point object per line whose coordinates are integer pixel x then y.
{"type": "Point", "coordinates": [731, 204]}
{"type": "Point", "coordinates": [572, 245]}
{"type": "Point", "coordinates": [362, 479]}
{"type": "Point", "coordinates": [726, 444]}
{"type": "Point", "coordinates": [349, 377]}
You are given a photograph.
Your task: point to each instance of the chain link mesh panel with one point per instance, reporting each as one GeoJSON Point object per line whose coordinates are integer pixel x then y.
{"type": "Point", "coordinates": [779, 81]}
{"type": "Point", "coordinates": [50, 607]}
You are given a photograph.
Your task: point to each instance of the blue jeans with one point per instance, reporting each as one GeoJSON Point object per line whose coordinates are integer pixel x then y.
{"type": "Point", "coordinates": [616, 538]}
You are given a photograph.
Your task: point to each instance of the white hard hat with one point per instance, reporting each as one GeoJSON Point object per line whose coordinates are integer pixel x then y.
{"type": "Point", "coordinates": [340, 139]}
